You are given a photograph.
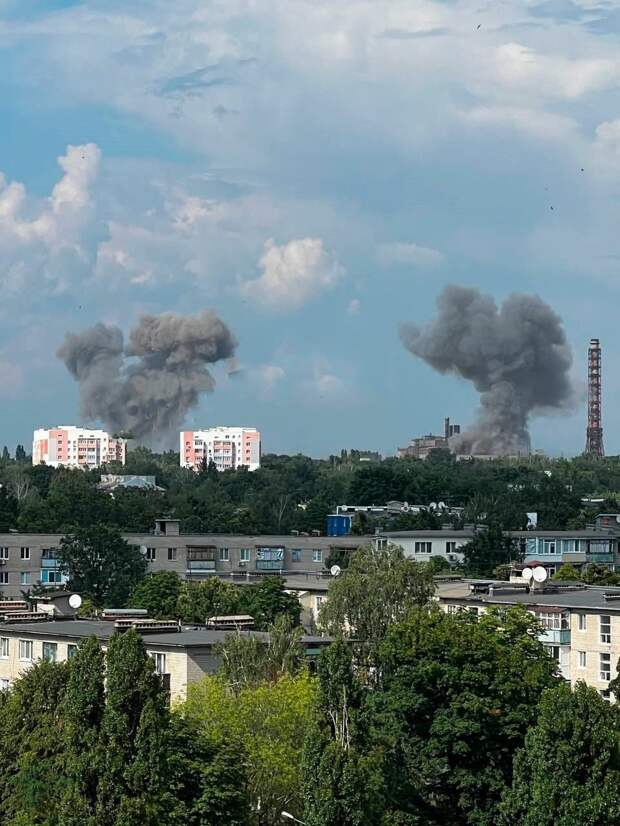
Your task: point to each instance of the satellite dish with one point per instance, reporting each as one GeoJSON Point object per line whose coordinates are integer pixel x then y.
{"type": "Point", "coordinates": [75, 600]}
{"type": "Point", "coordinates": [540, 574]}
{"type": "Point", "coordinates": [527, 574]}
{"type": "Point", "coordinates": [618, 518]}
{"type": "Point", "coordinates": [433, 506]}
{"type": "Point", "coordinates": [441, 506]}
{"type": "Point", "coordinates": [335, 570]}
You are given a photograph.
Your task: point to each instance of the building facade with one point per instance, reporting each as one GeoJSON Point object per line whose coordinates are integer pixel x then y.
{"type": "Point", "coordinates": [581, 622]}
{"type": "Point", "coordinates": [181, 656]}
{"type": "Point", "coordinates": [29, 558]}
{"type": "Point", "coordinates": [228, 448]}
{"type": "Point", "coordinates": [76, 447]}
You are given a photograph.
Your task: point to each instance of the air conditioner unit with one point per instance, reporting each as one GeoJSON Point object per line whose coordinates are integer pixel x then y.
{"type": "Point", "coordinates": [242, 564]}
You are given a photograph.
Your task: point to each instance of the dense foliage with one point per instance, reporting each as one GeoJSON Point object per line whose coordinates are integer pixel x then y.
{"type": "Point", "coordinates": [92, 742]}
{"type": "Point", "coordinates": [296, 493]}
{"type": "Point", "coordinates": [166, 596]}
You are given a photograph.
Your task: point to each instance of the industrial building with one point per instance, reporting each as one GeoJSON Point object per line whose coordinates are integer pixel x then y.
{"type": "Point", "coordinates": [420, 447]}
{"type": "Point", "coordinates": [76, 447]}
{"type": "Point", "coordinates": [228, 448]}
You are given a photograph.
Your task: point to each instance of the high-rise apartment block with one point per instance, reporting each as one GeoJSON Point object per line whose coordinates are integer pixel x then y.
{"type": "Point", "coordinates": [227, 447]}
{"type": "Point", "coordinates": [74, 447]}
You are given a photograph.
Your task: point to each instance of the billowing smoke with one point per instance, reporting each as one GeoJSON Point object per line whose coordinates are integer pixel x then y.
{"type": "Point", "coordinates": [516, 356]}
{"type": "Point", "coordinates": [147, 385]}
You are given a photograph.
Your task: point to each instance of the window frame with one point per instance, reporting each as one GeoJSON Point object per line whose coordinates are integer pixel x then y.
{"type": "Point", "coordinates": [24, 553]}
{"type": "Point", "coordinates": [172, 554]}
{"type": "Point", "coordinates": [47, 647]}
{"type": "Point", "coordinates": [582, 622]}
{"type": "Point", "coordinates": [317, 555]}
{"type": "Point", "coordinates": [223, 554]}
{"type": "Point", "coordinates": [582, 659]}
{"type": "Point", "coordinates": [27, 645]}
{"type": "Point", "coordinates": [604, 658]}
{"type": "Point", "coordinates": [245, 555]}
{"type": "Point", "coordinates": [605, 636]}
{"type": "Point", "coordinates": [423, 548]}
{"type": "Point", "coordinates": [5, 644]}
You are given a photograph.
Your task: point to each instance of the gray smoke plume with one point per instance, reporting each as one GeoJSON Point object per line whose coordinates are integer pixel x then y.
{"type": "Point", "coordinates": [146, 386]}
{"type": "Point", "coordinates": [517, 357]}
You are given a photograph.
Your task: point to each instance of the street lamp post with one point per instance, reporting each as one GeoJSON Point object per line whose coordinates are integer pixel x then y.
{"type": "Point", "coordinates": [289, 816]}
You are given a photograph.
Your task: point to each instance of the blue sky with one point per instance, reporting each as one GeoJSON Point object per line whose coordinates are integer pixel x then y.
{"type": "Point", "coordinates": [316, 172]}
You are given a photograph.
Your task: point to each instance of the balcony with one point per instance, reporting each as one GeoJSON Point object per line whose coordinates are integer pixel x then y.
{"type": "Point", "coordinates": [200, 565]}
{"type": "Point", "coordinates": [556, 636]}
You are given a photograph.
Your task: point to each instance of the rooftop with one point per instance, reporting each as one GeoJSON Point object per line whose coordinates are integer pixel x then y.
{"type": "Point", "coordinates": [187, 638]}
{"type": "Point", "coordinates": [576, 596]}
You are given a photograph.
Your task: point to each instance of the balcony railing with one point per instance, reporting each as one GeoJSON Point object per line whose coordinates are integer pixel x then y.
{"type": "Point", "coordinates": [200, 565]}
{"type": "Point", "coordinates": [557, 636]}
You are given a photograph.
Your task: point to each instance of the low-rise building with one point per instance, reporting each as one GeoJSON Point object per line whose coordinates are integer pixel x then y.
{"type": "Point", "coordinates": [29, 558]}
{"type": "Point", "coordinates": [581, 622]}
{"type": "Point", "coordinates": [181, 656]}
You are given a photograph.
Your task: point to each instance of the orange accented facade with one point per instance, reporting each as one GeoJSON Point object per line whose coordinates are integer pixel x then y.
{"type": "Point", "coordinates": [228, 448]}
{"type": "Point", "coordinates": [72, 446]}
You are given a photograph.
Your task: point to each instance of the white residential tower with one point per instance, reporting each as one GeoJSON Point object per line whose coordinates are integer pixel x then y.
{"type": "Point", "coordinates": [227, 447]}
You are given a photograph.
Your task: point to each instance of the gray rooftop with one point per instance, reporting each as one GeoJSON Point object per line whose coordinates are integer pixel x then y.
{"type": "Point", "coordinates": [592, 597]}
{"type": "Point", "coordinates": [80, 629]}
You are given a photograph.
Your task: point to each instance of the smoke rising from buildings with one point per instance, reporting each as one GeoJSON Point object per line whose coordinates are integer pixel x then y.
{"type": "Point", "coordinates": [516, 356]}
{"type": "Point", "coordinates": [147, 385]}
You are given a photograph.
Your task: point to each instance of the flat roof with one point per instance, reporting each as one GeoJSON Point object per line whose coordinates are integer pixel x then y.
{"type": "Point", "coordinates": [438, 532]}
{"type": "Point", "coordinates": [577, 598]}
{"type": "Point", "coordinates": [189, 638]}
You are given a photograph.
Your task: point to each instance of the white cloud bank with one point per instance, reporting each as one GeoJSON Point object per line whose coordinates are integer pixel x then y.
{"type": "Point", "coordinates": [293, 274]}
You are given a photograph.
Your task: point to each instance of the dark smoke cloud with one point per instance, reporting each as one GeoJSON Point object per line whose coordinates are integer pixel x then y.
{"type": "Point", "coordinates": [146, 386]}
{"type": "Point", "coordinates": [517, 357]}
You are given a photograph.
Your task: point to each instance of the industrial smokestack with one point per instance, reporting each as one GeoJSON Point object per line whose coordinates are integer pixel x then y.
{"type": "Point", "coordinates": [517, 357]}
{"type": "Point", "coordinates": [147, 386]}
{"type": "Point", "coordinates": [594, 433]}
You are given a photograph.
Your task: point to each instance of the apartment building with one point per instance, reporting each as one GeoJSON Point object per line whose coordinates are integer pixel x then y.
{"type": "Point", "coordinates": [581, 622]}
{"type": "Point", "coordinates": [228, 448]}
{"type": "Point", "coordinates": [76, 447]}
{"type": "Point", "coordinates": [28, 558]}
{"type": "Point", "coordinates": [181, 655]}
{"type": "Point", "coordinates": [549, 548]}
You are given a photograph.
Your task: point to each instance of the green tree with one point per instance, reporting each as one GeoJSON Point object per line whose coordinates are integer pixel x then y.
{"type": "Point", "coordinates": [568, 771]}
{"type": "Point", "coordinates": [342, 779]}
{"type": "Point", "coordinates": [269, 721]}
{"type": "Point", "coordinates": [379, 588]}
{"type": "Point", "coordinates": [487, 550]}
{"type": "Point", "coordinates": [20, 454]}
{"type": "Point", "coordinates": [249, 659]}
{"type": "Point", "coordinates": [567, 573]}
{"type": "Point", "coordinates": [101, 565]}
{"type": "Point", "coordinates": [200, 600]}
{"type": "Point", "coordinates": [268, 600]}
{"type": "Point", "coordinates": [159, 593]}
{"type": "Point", "coordinates": [457, 697]}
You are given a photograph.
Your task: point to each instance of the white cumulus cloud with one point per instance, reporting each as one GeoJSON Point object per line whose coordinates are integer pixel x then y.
{"type": "Point", "coordinates": [293, 273]}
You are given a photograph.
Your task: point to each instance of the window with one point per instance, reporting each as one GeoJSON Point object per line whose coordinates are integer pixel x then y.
{"type": "Point", "coordinates": [319, 601]}
{"type": "Point", "coordinates": [160, 663]}
{"type": "Point", "coordinates": [4, 685]}
{"type": "Point", "coordinates": [172, 554]}
{"type": "Point", "coordinates": [582, 622]}
{"type": "Point", "coordinates": [605, 667]}
{"type": "Point", "coordinates": [151, 554]}
{"type": "Point", "coordinates": [454, 609]}
{"type": "Point", "coordinates": [25, 650]}
{"type": "Point", "coordinates": [4, 647]}
{"type": "Point", "coordinates": [296, 555]}
{"type": "Point", "coordinates": [24, 553]}
{"type": "Point", "coordinates": [270, 558]}
{"type": "Point", "coordinates": [554, 650]}
{"type": "Point", "coordinates": [71, 650]}
{"type": "Point", "coordinates": [51, 578]}
{"type": "Point", "coordinates": [317, 555]}
{"type": "Point", "coordinates": [549, 546]}
{"type": "Point", "coordinates": [24, 578]}
{"type": "Point", "coordinates": [582, 659]}
{"type": "Point", "coordinates": [245, 555]}
{"type": "Point", "coordinates": [224, 555]}
{"type": "Point", "coordinates": [50, 651]}
{"type": "Point", "coordinates": [423, 547]}
{"type": "Point", "coordinates": [450, 547]}
{"type": "Point", "coordinates": [4, 577]}
{"type": "Point", "coordinates": [381, 544]}
{"type": "Point", "coordinates": [605, 627]}
{"type": "Point", "coordinates": [550, 621]}
{"type": "Point", "coordinates": [4, 552]}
